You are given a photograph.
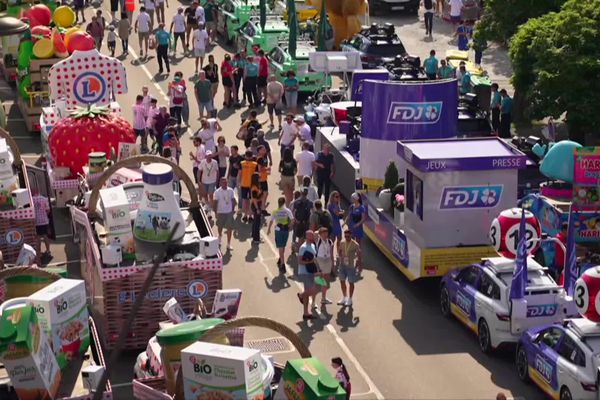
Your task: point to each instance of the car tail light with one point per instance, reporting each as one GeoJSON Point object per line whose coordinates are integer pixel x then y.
{"type": "Point", "coordinates": [366, 58]}
{"type": "Point", "coordinates": [503, 317]}
{"type": "Point", "coordinates": [589, 387]}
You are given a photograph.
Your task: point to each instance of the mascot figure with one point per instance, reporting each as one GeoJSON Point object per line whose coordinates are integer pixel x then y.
{"type": "Point", "coordinates": [344, 16]}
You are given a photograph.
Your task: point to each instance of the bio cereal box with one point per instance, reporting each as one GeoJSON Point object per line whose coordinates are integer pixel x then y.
{"type": "Point", "coordinates": [226, 303]}
{"type": "Point", "coordinates": [308, 379]}
{"type": "Point", "coordinates": [215, 372]}
{"type": "Point", "coordinates": [61, 309]}
{"type": "Point", "coordinates": [27, 356]}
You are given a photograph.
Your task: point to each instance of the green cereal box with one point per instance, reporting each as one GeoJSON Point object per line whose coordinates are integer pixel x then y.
{"type": "Point", "coordinates": [308, 379]}
{"type": "Point", "coordinates": [61, 309]}
{"type": "Point", "coordinates": [27, 356]}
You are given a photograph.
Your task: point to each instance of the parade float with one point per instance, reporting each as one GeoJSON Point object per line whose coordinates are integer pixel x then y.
{"type": "Point", "coordinates": [121, 231]}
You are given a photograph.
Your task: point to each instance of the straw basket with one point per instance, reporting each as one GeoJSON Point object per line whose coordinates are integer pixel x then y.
{"type": "Point", "coordinates": [154, 388]}
{"type": "Point", "coordinates": [17, 226]}
{"type": "Point", "coordinates": [6, 273]}
{"type": "Point", "coordinates": [113, 289]}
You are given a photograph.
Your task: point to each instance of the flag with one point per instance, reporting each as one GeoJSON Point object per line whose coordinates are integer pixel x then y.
{"type": "Point", "coordinates": [293, 27]}
{"type": "Point", "coordinates": [570, 270]}
{"type": "Point", "coordinates": [263, 14]}
{"type": "Point", "coordinates": [519, 281]}
{"type": "Point", "coordinates": [322, 26]}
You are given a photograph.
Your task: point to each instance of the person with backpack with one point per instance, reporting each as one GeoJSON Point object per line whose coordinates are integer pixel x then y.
{"type": "Point", "coordinates": [302, 210]}
{"type": "Point", "coordinates": [282, 217]}
{"type": "Point", "coordinates": [325, 260]}
{"type": "Point", "coordinates": [320, 218]}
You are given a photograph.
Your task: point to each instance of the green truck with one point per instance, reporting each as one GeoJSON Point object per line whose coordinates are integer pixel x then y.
{"type": "Point", "coordinates": [251, 35]}
{"type": "Point", "coordinates": [280, 62]}
{"type": "Point", "coordinates": [232, 15]}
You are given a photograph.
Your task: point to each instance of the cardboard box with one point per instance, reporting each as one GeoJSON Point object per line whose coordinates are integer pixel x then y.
{"type": "Point", "coordinates": [174, 311]}
{"type": "Point", "coordinates": [117, 220]}
{"type": "Point", "coordinates": [27, 356]}
{"type": "Point", "coordinates": [217, 371]}
{"type": "Point", "coordinates": [62, 312]}
{"type": "Point", "coordinates": [91, 376]}
{"type": "Point", "coordinates": [6, 160]}
{"type": "Point", "coordinates": [226, 303]}
{"type": "Point", "coordinates": [308, 379]}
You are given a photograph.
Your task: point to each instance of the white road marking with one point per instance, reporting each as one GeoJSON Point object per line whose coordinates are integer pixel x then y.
{"type": "Point", "coordinates": [350, 356]}
{"type": "Point", "coordinates": [145, 69]}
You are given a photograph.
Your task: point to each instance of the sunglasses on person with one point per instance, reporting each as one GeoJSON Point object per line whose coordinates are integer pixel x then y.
{"type": "Point", "coordinates": [347, 234]}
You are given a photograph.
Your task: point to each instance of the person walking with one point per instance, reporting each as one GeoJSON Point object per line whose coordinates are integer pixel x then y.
{"type": "Point", "coordinates": [428, 15]}
{"type": "Point", "coordinates": [250, 81]}
{"type": "Point", "coordinates": [177, 95]}
{"type": "Point", "coordinates": [306, 162]}
{"type": "Point", "coordinates": [124, 29]}
{"type": "Point", "coordinates": [150, 6]}
{"type": "Point", "coordinates": [160, 11]}
{"type": "Point", "coordinates": [274, 94]}
{"type": "Point", "coordinates": [111, 40]}
{"type": "Point", "coordinates": [463, 33]}
{"type": "Point", "coordinates": [159, 124]}
{"type": "Point", "coordinates": [96, 31]}
{"type": "Point", "coordinates": [325, 170]}
{"type": "Point", "coordinates": [288, 134]}
{"type": "Point", "coordinates": [208, 131]}
{"type": "Point", "coordinates": [212, 74]}
{"type": "Point", "coordinates": [456, 7]}
{"type": "Point", "coordinates": [233, 172]}
{"type": "Point", "coordinates": [227, 79]}
{"type": "Point", "coordinates": [431, 66]}
{"type": "Point", "coordinates": [41, 205]}
{"type": "Point", "coordinates": [495, 101]}
{"type": "Point", "coordinates": [139, 121]}
{"type": "Point", "coordinates": [445, 71]}
{"type": "Point", "coordinates": [307, 270]}
{"type": "Point", "coordinates": [287, 170]}
{"type": "Point", "coordinates": [357, 215]}
{"type": "Point", "coordinates": [282, 217]}
{"type": "Point", "coordinates": [264, 170]}
{"type": "Point", "coordinates": [210, 16]}
{"type": "Point", "coordinates": [163, 42]}
{"type": "Point", "coordinates": [304, 133]}
{"type": "Point", "coordinates": [248, 168]}
{"type": "Point", "coordinates": [197, 156]}
{"type": "Point", "coordinates": [307, 184]}
{"type": "Point", "coordinates": [203, 92]}
{"type": "Point", "coordinates": [79, 8]}
{"type": "Point", "coordinates": [178, 29]}
{"type": "Point", "coordinates": [238, 64]}
{"type": "Point", "coordinates": [325, 261]}
{"type": "Point", "coordinates": [262, 141]}
{"type": "Point", "coordinates": [349, 254]}
{"type": "Point", "coordinates": [191, 24]}
{"type": "Point", "coordinates": [151, 114]}
{"type": "Point", "coordinates": [334, 206]}
{"type": "Point", "coordinates": [200, 15]}
{"type": "Point", "coordinates": [224, 206]}
{"type": "Point", "coordinates": [319, 218]}
{"type": "Point", "coordinates": [223, 155]}
{"type": "Point", "coordinates": [209, 171]}
{"type": "Point", "coordinates": [142, 28]}
{"type": "Point", "coordinates": [256, 207]}
{"type": "Point", "coordinates": [342, 376]}
{"type": "Point", "coordinates": [302, 209]}
{"type": "Point", "coordinates": [291, 86]}
{"type": "Point", "coordinates": [465, 80]}
{"type": "Point", "coordinates": [263, 74]}
{"type": "Point", "coordinates": [200, 42]}
{"type": "Point", "coordinates": [506, 106]}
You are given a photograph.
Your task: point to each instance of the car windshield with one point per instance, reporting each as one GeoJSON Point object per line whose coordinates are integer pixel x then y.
{"type": "Point", "coordinates": [534, 278]}
{"type": "Point", "coordinates": [386, 50]}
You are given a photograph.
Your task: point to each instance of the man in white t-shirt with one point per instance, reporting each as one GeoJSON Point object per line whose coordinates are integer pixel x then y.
{"type": "Point", "coordinates": [288, 135]}
{"type": "Point", "coordinates": [200, 15]}
{"type": "Point", "coordinates": [209, 171]}
{"type": "Point", "coordinates": [224, 206]}
{"type": "Point", "coordinates": [142, 27]}
{"type": "Point", "coordinates": [200, 41]}
{"type": "Point", "coordinates": [456, 7]}
{"type": "Point", "coordinates": [150, 8]}
{"type": "Point", "coordinates": [306, 161]}
{"type": "Point", "coordinates": [178, 27]}
{"type": "Point", "coordinates": [304, 132]}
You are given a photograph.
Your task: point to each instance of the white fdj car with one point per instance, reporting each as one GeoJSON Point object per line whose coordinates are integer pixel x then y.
{"type": "Point", "coordinates": [479, 297]}
{"type": "Point", "coordinates": [563, 359]}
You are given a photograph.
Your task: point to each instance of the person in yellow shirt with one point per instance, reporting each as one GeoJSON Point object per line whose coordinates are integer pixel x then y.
{"type": "Point", "coordinates": [249, 167]}
{"type": "Point", "coordinates": [264, 170]}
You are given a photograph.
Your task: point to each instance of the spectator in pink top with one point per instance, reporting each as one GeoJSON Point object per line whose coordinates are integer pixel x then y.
{"type": "Point", "coordinates": [41, 205]}
{"type": "Point", "coordinates": [96, 30]}
{"type": "Point", "coordinates": [140, 115]}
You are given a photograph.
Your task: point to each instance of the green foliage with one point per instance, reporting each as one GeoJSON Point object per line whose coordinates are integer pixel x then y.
{"type": "Point", "coordinates": [502, 18]}
{"type": "Point", "coordinates": [391, 177]}
{"type": "Point", "coordinates": [556, 63]}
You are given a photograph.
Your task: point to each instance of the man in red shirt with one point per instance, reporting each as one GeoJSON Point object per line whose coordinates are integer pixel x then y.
{"type": "Point", "coordinates": [263, 74]}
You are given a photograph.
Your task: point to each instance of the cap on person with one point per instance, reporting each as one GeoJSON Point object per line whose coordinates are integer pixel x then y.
{"type": "Point", "coordinates": [355, 196]}
{"type": "Point", "coordinates": [208, 153]}
{"type": "Point", "coordinates": [179, 8]}
{"type": "Point", "coordinates": [299, 119]}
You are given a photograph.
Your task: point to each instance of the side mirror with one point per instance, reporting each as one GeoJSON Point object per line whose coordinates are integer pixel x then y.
{"type": "Point", "coordinates": [536, 338]}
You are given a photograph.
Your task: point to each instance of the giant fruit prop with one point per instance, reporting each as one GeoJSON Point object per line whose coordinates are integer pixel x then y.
{"type": "Point", "coordinates": [87, 130]}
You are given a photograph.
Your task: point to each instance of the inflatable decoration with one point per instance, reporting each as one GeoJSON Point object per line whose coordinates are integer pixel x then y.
{"type": "Point", "coordinates": [23, 85]}
{"type": "Point", "coordinates": [39, 14]}
{"type": "Point", "coordinates": [25, 52]}
{"type": "Point", "coordinates": [87, 130]}
{"type": "Point", "coordinates": [60, 50]}
{"type": "Point", "coordinates": [586, 296]}
{"type": "Point", "coordinates": [504, 232]}
{"type": "Point", "coordinates": [43, 48]}
{"type": "Point", "coordinates": [39, 32]}
{"type": "Point", "coordinates": [69, 32]}
{"type": "Point", "coordinates": [64, 17]}
{"type": "Point", "coordinates": [80, 40]}
{"type": "Point", "coordinates": [344, 16]}
{"type": "Point", "coordinates": [559, 161]}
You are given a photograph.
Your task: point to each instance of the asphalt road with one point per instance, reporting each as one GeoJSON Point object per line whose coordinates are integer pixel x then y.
{"type": "Point", "coordinates": [394, 340]}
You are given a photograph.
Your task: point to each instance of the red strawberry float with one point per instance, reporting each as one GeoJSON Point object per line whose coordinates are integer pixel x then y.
{"type": "Point", "coordinates": [87, 130]}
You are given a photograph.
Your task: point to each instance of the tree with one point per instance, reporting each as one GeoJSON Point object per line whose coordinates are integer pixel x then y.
{"type": "Point", "coordinates": [502, 18]}
{"type": "Point", "coordinates": [556, 63]}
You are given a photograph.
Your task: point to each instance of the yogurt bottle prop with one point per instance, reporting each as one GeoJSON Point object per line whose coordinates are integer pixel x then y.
{"type": "Point", "coordinates": [159, 210]}
{"type": "Point", "coordinates": [97, 162]}
{"type": "Point", "coordinates": [8, 178]}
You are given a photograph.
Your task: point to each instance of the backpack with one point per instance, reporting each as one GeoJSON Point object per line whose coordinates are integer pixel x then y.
{"type": "Point", "coordinates": [324, 220]}
{"type": "Point", "coordinates": [302, 210]}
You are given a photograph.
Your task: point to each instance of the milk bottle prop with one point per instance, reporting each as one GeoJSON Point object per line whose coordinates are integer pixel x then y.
{"type": "Point", "coordinates": [8, 178]}
{"type": "Point", "coordinates": [159, 210]}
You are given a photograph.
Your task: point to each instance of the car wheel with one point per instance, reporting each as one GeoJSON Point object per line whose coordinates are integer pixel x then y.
{"type": "Point", "coordinates": [483, 336]}
{"type": "Point", "coordinates": [522, 364]}
{"type": "Point", "coordinates": [565, 394]}
{"type": "Point", "coordinates": [445, 302]}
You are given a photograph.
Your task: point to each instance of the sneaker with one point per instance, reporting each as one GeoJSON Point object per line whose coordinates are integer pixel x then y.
{"type": "Point", "coordinates": [244, 219]}
{"type": "Point", "coordinates": [348, 302]}
{"type": "Point", "coordinates": [326, 301]}
{"type": "Point", "coordinates": [342, 301]}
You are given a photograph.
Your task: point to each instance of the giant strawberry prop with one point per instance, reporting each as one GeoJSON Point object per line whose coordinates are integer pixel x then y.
{"type": "Point", "coordinates": [87, 130]}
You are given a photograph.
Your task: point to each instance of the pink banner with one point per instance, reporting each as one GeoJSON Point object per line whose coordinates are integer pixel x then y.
{"type": "Point", "coordinates": [586, 183]}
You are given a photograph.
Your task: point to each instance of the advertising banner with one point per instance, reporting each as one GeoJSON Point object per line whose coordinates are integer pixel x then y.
{"type": "Point", "coordinates": [358, 77]}
{"type": "Point", "coordinates": [586, 182]}
{"type": "Point", "coordinates": [410, 110]}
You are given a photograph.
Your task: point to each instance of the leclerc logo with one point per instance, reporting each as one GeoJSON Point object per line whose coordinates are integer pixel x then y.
{"type": "Point", "coordinates": [89, 87]}
{"type": "Point", "coordinates": [414, 113]}
{"type": "Point", "coordinates": [471, 197]}
{"type": "Point", "coordinates": [197, 289]}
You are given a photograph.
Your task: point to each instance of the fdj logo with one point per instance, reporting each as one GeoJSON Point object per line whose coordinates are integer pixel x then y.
{"type": "Point", "coordinates": [197, 289]}
{"type": "Point", "coordinates": [414, 113]}
{"type": "Point", "coordinates": [89, 87]}
{"type": "Point", "coordinates": [463, 303]}
{"type": "Point", "coordinates": [471, 197]}
{"type": "Point", "coordinates": [544, 368]}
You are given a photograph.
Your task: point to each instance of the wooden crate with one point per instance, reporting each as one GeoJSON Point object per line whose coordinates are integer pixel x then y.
{"type": "Point", "coordinates": [30, 115]}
